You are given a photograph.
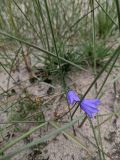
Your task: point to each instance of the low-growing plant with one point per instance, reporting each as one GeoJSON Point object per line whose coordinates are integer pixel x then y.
{"type": "Point", "coordinates": [65, 34]}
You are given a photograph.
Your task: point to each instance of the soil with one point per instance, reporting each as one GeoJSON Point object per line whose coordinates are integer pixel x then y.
{"type": "Point", "coordinates": [62, 147]}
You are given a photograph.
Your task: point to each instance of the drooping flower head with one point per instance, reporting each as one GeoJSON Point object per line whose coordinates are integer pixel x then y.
{"type": "Point", "coordinates": [89, 106]}
{"type": "Point", "coordinates": [72, 97]}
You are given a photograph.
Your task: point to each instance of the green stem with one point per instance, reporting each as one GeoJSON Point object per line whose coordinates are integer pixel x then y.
{"type": "Point", "coordinates": [34, 29]}
{"type": "Point", "coordinates": [106, 13]}
{"type": "Point", "coordinates": [100, 73]}
{"type": "Point", "coordinates": [55, 46]}
{"type": "Point", "coordinates": [118, 12]}
{"type": "Point", "coordinates": [94, 70]}
{"type": "Point", "coordinates": [21, 137]}
{"type": "Point", "coordinates": [41, 49]}
{"type": "Point", "coordinates": [44, 24]}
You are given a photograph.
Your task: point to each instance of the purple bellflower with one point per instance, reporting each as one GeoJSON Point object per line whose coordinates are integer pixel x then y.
{"type": "Point", "coordinates": [89, 106]}
{"type": "Point", "coordinates": [72, 97]}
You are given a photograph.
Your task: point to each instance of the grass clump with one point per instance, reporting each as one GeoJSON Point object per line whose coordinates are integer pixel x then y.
{"type": "Point", "coordinates": [47, 39]}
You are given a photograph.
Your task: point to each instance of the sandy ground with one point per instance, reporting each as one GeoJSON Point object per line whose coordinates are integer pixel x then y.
{"type": "Point", "coordinates": [61, 147]}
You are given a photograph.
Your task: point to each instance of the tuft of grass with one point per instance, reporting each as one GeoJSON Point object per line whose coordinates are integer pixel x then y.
{"type": "Point", "coordinates": [65, 34]}
{"type": "Point", "coordinates": [104, 19]}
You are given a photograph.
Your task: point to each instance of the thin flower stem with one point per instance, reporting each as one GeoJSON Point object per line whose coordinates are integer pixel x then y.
{"type": "Point", "coordinates": [84, 120]}
{"type": "Point", "coordinates": [71, 120]}
{"type": "Point", "coordinates": [97, 77]}
{"type": "Point", "coordinates": [95, 85]}
{"type": "Point", "coordinates": [100, 138]}
{"type": "Point", "coordinates": [116, 53]}
{"type": "Point", "coordinates": [59, 62]}
{"type": "Point", "coordinates": [104, 121]}
{"type": "Point", "coordinates": [95, 138]}
{"type": "Point", "coordinates": [66, 112]}
{"type": "Point", "coordinates": [107, 75]}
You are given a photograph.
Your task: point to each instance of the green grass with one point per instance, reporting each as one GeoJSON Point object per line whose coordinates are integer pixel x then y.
{"type": "Point", "coordinates": [66, 35]}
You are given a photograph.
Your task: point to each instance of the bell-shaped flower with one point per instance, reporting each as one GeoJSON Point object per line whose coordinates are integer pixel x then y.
{"type": "Point", "coordinates": [89, 106]}
{"type": "Point", "coordinates": [72, 97]}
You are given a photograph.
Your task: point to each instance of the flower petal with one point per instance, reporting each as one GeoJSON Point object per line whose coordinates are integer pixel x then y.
{"type": "Point", "coordinates": [72, 97]}
{"type": "Point", "coordinates": [90, 113]}
{"type": "Point", "coordinates": [93, 101]}
{"type": "Point", "coordinates": [90, 106]}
